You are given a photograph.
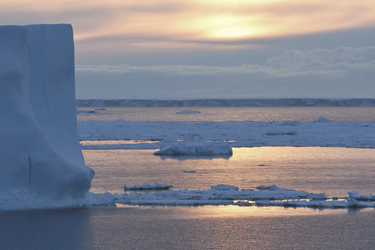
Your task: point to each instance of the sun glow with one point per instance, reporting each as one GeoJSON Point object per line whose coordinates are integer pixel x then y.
{"type": "Point", "coordinates": [232, 33]}
{"type": "Point", "coordinates": [227, 27]}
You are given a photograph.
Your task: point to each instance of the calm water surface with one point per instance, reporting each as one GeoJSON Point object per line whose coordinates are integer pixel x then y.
{"type": "Point", "coordinates": [334, 171]}
{"type": "Point", "coordinates": [224, 227]}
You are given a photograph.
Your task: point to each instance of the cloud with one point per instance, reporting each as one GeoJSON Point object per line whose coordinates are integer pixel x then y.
{"type": "Point", "coordinates": [337, 63]}
{"type": "Point", "coordinates": [191, 21]}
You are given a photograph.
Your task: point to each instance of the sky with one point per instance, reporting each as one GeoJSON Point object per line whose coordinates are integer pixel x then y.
{"type": "Point", "coordinates": [184, 49]}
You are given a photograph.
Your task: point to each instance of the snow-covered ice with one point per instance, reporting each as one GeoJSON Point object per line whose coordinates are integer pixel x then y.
{"type": "Point", "coordinates": [352, 134]}
{"type": "Point", "coordinates": [41, 163]}
{"type": "Point", "coordinates": [81, 111]}
{"type": "Point", "coordinates": [230, 195]}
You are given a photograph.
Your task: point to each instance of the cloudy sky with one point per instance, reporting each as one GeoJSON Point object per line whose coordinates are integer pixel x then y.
{"type": "Point", "coordinates": [174, 49]}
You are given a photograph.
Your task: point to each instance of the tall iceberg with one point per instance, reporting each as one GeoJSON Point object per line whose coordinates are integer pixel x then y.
{"type": "Point", "coordinates": [41, 163]}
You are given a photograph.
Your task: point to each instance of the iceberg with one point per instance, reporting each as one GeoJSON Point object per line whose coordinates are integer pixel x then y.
{"type": "Point", "coordinates": [41, 163]}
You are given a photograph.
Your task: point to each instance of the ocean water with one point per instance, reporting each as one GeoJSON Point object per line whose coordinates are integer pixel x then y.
{"type": "Point", "coordinates": [334, 171]}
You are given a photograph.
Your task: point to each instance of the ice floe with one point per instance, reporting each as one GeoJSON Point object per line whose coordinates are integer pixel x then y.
{"type": "Point", "coordinates": [238, 134]}
{"type": "Point", "coordinates": [231, 195]}
{"type": "Point", "coordinates": [181, 148]}
{"type": "Point", "coordinates": [147, 186]}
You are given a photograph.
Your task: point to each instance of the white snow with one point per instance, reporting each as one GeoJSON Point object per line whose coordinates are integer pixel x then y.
{"type": "Point", "coordinates": [41, 160]}
{"type": "Point", "coordinates": [181, 148]}
{"type": "Point", "coordinates": [188, 112]}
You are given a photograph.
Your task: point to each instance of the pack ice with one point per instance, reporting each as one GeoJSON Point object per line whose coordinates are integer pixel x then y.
{"type": "Point", "coordinates": [41, 163]}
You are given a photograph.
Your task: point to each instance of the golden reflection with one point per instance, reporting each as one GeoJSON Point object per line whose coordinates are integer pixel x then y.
{"type": "Point", "coordinates": [233, 211]}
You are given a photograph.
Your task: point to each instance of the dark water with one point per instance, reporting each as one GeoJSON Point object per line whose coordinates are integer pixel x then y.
{"type": "Point", "coordinates": [334, 171]}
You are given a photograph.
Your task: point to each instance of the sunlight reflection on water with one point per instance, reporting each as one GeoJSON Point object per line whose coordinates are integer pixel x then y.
{"type": "Point", "coordinates": [334, 171]}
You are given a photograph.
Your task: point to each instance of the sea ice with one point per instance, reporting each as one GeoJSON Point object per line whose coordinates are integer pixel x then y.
{"type": "Point", "coordinates": [224, 187]}
{"type": "Point", "coordinates": [230, 195]}
{"type": "Point", "coordinates": [238, 134]}
{"type": "Point", "coordinates": [323, 119]}
{"type": "Point", "coordinates": [147, 186]}
{"type": "Point", "coordinates": [205, 148]}
{"type": "Point", "coordinates": [81, 111]}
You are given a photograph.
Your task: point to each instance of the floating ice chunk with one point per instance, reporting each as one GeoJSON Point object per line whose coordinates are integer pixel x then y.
{"type": "Point", "coordinates": [189, 171]}
{"type": "Point", "coordinates": [323, 119]}
{"type": "Point", "coordinates": [188, 112]}
{"type": "Point", "coordinates": [101, 109]}
{"type": "Point", "coordinates": [320, 196]}
{"type": "Point", "coordinates": [369, 197]}
{"type": "Point", "coordinates": [263, 187]}
{"type": "Point", "coordinates": [147, 186]}
{"type": "Point", "coordinates": [229, 195]}
{"type": "Point", "coordinates": [353, 194]}
{"type": "Point", "coordinates": [204, 148]}
{"type": "Point", "coordinates": [81, 111]}
{"type": "Point", "coordinates": [224, 187]}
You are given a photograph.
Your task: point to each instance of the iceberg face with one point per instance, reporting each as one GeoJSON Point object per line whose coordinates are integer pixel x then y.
{"type": "Point", "coordinates": [40, 155]}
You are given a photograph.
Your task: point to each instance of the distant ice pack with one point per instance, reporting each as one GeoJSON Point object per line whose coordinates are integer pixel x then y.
{"type": "Point", "coordinates": [41, 163]}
